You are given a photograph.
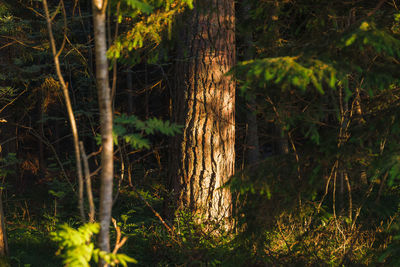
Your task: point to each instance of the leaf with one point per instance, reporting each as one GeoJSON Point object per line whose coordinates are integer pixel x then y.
{"type": "Point", "coordinates": [286, 72]}
{"type": "Point", "coordinates": [124, 259]}
{"type": "Point", "coordinates": [76, 245]}
{"type": "Point", "coordinates": [59, 194]}
{"type": "Point", "coordinates": [150, 126]}
{"type": "Point", "coordinates": [142, 6]}
{"type": "Point", "coordinates": [136, 141]}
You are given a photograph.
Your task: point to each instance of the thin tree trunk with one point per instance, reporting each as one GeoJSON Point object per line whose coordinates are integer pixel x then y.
{"type": "Point", "coordinates": [283, 142]}
{"type": "Point", "coordinates": [88, 181]}
{"type": "Point", "coordinates": [3, 234]}
{"type": "Point", "coordinates": [252, 144]}
{"type": "Point", "coordinates": [106, 120]}
{"type": "Point", "coordinates": [64, 88]}
{"type": "Point", "coordinates": [42, 163]}
{"type": "Point", "coordinates": [203, 157]}
{"type": "Point", "coordinates": [360, 120]}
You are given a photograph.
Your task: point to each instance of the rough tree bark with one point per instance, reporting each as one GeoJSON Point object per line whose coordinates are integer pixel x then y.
{"type": "Point", "coordinates": [105, 106]}
{"type": "Point", "coordinates": [203, 157]}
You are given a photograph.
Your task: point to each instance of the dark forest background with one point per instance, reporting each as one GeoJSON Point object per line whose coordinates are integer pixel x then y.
{"type": "Point", "coordinates": [317, 137]}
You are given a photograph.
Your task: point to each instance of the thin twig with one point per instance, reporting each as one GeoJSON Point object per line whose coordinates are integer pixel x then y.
{"type": "Point", "coordinates": [122, 175]}
{"type": "Point", "coordinates": [154, 212]}
{"type": "Point", "coordinates": [8, 140]}
{"type": "Point", "coordinates": [21, 42]}
{"type": "Point", "coordinates": [46, 142]}
{"type": "Point", "coordinates": [367, 194]}
{"type": "Point", "coordinates": [118, 242]}
{"type": "Point", "coordinates": [95, 153]}
{"type": "Point", "coordinates": [6, 45]}
{"type": "Point", "coordinates": [65, 29]}
{"type": "Point", "coordinates": [114, 81]}
{"type": "Point", "coordinates": [95, 172]}
{"type": "Point", "coordinates": [289, 136]}
{"type": "Point", "coordinates": [12, 101]}
{"type": "Point", "coordinates": [334, 167]}
{"type": "Point", "coordinates": [346, 176]}
{"type": "Point", "coordinates": [378, 6]}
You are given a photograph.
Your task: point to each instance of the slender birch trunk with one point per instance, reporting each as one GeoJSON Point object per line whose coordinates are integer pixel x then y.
{"type": "Point", "coordinates": [105, 105]}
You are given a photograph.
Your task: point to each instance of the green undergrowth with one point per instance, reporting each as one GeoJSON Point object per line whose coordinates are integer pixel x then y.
{"type": "Point", "coordinates": [30, 247]}
{"type": "Point", "coordinates": [271, 232]}
{"type": "Point", "coordinates": [188, 245]}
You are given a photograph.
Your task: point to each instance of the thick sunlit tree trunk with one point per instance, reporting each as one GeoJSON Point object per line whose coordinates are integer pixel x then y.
{"type": "Point", "coordinates": [105, 106]}
{"type": "Point", "coordinates": [203, 158]}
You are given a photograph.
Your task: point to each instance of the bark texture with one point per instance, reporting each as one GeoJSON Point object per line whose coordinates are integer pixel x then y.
{"type": "Point", "coordinates": [105, 106]}
{"type": "Point", "coordinates": [203, 157]}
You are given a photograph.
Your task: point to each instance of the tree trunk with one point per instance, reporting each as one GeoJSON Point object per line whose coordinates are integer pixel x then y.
{"type": "Point", "coordinates": [68, 104]}
{"type": "Point", "coordinates": [129, 82]}
{"type": "Point", "coordinates": [252, 144]}
{"type": "Point", "coordinates": [3, 235]}
{"type": "Point", "coordinates": [203, 158]}
{"type": "Point", "coordinates": [105, 106]}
